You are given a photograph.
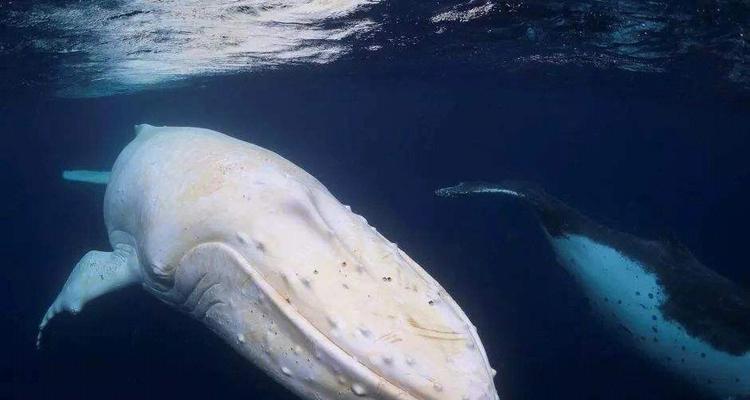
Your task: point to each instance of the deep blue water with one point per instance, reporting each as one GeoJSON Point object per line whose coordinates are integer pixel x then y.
{"type": "Point", "coordinates": [651, 154]}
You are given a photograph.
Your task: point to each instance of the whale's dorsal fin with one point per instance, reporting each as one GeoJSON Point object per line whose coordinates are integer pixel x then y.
{"type": "Point", "coordinates": [88, 176]}
{"type": "Point", "coordinates": [141, 128]}
{"type": "Point", "coordinates": [97, 273]}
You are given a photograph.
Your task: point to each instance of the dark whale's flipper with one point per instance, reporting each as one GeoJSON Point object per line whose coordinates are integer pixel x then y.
{"type": "Point", "coordinates": [465, 188]}
{"type": "Point", "coordinates": [556, 217]}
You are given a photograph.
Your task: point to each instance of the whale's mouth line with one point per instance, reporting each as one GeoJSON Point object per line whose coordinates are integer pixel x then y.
{"type": "Point", "coordinates": [312, 333]}
{"type": "Point", "coordinates": [280, 306]}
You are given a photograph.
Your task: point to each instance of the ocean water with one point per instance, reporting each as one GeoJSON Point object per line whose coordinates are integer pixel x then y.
{"type": "Point", "coordinates": [636, 113]}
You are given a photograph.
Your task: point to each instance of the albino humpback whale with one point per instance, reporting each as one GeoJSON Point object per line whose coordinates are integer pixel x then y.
{"type": "Point", "coordinates": [260, 252]}
{"type": "Point", "coordinates": [681, 314]}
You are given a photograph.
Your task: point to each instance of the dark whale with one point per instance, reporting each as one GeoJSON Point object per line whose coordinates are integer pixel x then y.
{"type": "Point", "coordinates": [678, 312]}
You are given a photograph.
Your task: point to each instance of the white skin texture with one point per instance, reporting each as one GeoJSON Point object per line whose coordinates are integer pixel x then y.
{"type": "Point", "coordinates": [261, 252]}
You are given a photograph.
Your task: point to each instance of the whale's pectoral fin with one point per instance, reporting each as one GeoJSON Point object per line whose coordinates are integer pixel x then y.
{"type": "Point", "coordinates": [97, 273]}
{"type": "Point", "coordinates": [88, 176]}
{"type": "Point", "coordinates": [465, 188]}
{"type": "Point", "coordinates": [553, 213]}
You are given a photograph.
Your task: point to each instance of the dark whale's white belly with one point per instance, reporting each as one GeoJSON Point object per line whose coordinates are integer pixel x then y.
{"type": "Point", "coordinates": [627, 295]}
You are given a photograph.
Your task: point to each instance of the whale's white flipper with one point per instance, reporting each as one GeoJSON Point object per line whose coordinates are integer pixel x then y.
{"type": "Point", "coordinates": [83, 175]}
{"type": "Point", "coordinates": [96, 274]}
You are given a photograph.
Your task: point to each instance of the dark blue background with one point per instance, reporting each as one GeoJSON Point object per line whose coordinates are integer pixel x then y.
{"type": "Point", "coordinates": [643, 153]}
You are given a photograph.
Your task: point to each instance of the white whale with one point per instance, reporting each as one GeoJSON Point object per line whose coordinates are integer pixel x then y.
{"type": "Point", "coordinates": [260, 252]}
{"type": "Point", "coordinates": [682, 315]}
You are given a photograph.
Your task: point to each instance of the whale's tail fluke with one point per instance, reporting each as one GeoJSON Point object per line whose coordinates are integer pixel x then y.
{"type": "Point", "coordinates": [88, 176]}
